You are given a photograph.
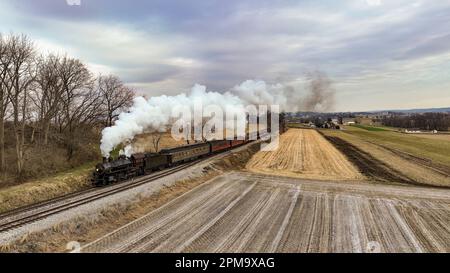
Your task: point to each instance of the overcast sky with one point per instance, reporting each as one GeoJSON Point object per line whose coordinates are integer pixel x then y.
{"type": "Point", "coordinates": [379, 54]}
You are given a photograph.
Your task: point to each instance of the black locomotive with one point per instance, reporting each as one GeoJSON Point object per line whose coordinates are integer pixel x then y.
{"type": "Point", "coordinates": [140, 164]}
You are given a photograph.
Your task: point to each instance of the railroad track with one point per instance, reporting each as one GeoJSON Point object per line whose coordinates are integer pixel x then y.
{"type": "Point", "coordinates": [32, 213]}
{"type": "Point", "coordinates": [19, 217]}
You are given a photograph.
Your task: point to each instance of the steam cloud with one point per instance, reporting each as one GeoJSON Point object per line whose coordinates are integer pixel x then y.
{"type": "Point", "coordinates": [155, 114]}
{"type": "Point", "coordinates": [321, 95]}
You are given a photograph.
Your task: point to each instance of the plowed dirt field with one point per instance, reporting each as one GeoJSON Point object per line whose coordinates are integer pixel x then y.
{"type": "Point", "coordinates": [245, 212]}
{"type": "Point", "coordinates": [305, 154]}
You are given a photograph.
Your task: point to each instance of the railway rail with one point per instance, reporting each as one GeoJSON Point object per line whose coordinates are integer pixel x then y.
{"type": "Point", "coordinates": [28, 214]}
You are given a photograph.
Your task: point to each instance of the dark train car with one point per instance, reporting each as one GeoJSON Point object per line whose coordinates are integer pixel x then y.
{"type": "Point", "coordinates": [110, 172]}
{"type": "Point", "coordinates": [186, 153]}
{"type": "Point", "coordinates": [220, 145]}
{"type": "Point", "coordinates": [155, 162]}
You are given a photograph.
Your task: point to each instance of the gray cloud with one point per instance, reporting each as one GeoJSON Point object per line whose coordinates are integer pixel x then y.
{"type": "Point", "coordinates": [170, 45]}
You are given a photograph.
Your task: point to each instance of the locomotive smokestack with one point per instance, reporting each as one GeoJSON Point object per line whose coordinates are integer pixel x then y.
{"type": "Point", "coordinates": [105, 160]}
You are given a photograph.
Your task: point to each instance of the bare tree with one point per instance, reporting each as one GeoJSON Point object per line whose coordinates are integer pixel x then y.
{"type": "Point", "coordinates": [156, 140]}
{"type": "Point", "coordinates": [20, 75]}
{"type": "Point", "coordinates": [116, 96]}
{"type": "Point", "coordinates": [49, 93]}
{"type": "Point", "coordinates": [5, 62]}
{"type": "Point", "coordinates": [422, 121]}
{"type": "Point", "coordinates": [81, 104]}
{"type": "Point", "coordinates": [52, 98]}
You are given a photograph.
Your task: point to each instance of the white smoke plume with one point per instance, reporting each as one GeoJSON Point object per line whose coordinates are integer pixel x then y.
{"type": "Point", "coordinates": [155, 114]}
{"type": "Point", "coordinates": [147, 116]}
{"type": "Point", "coordinates": [258, 93]}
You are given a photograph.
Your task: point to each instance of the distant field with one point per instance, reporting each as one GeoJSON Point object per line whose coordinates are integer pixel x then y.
{"type": "Point", "coordinates": [394, 157]}
{"type": "Point", "coordinates": [298, 125]}
{"type": "Point", "coordinates": [370, 128]}
{"type": "Point", "coordinates": [144, 143]}
{"type": "Point", "coordinates": [445, 137]}
{"type": "Point", "coordinates": [434, 149]}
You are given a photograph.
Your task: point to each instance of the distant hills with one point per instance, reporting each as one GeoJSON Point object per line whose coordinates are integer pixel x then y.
{"type": "Point", "coordinates": [425, 110]}
{"type": "Point", "coordinates": [381, 112]}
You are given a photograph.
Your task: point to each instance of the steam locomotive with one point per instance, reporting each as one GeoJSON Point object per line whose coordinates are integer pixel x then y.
{"type": "Point", "coordinates": [124, 168]}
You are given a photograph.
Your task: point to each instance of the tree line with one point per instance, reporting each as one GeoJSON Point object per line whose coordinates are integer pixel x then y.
{"type": "Point", "coordinates": [425, 121]}
{"type": "Point", "coordinates": [51, 97]}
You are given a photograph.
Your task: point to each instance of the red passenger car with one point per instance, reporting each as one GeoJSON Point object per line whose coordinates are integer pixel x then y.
{"type": "Point", "coordinates": [235, 143]}
{"type": "Point", "coordinates": [219, 145]}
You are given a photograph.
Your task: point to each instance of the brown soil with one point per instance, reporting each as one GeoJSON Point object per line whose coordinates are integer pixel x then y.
{"type": "Point", "coordinates": [253, 213]}
{"type": "Point", "coordinates": [367, 164]}
{"type": "Point", "coordinates": [305, 154]}
{"type": "Point", "coordinates": [387, 164]}
{"type": "Point", "coordinates": [434, 166]}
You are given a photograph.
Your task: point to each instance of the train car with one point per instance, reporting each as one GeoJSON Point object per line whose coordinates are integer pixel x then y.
{"type": "Point", "coordinates": [138, 167]}
{"type": "Point", "coordinates": [218, 146]}
{"type": "Point", "coordinates": [235, 143]}
{"type": "Point", "coordinates": [186, 153]}
{"type": "Point", "coordinates": [155, 162]}
{"type": "Point", "coordinates": [139, 164]}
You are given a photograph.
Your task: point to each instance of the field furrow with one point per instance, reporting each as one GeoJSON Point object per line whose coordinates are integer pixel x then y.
{"type": "Point", "coordinates": [258, 214]}
{"type": "Point", "coordinates": [304, 154]}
